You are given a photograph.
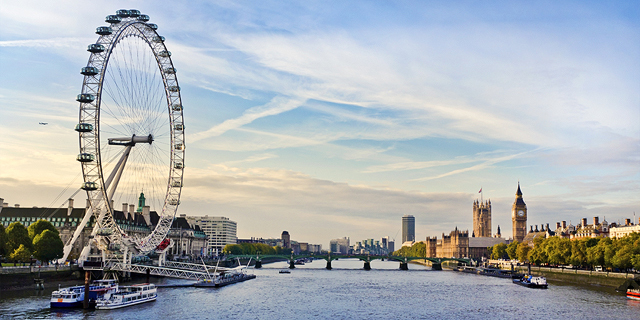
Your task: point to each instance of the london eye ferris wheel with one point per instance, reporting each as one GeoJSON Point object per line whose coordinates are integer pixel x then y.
{"type": "Point", "coordinates": [131, 131]}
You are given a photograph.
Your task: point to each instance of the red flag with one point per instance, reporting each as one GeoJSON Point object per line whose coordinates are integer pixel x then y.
{"type": "Point", "coordinates": [480, 190]}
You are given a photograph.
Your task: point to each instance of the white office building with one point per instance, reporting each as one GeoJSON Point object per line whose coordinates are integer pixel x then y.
{"type": "Point", "coordinates": [220, 231]}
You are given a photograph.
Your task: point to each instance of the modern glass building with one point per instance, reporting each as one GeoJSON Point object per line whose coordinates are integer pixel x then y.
{"type": "Point", "coordinates": [408, 228]}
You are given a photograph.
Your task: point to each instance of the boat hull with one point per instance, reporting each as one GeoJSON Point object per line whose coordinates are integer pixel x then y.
{"type": "Point", "coordinates": [633, 294]}
{"type": "Point", "coordinates": [70, 304]}
{"type": "Point", "coordinates": [224, 282]}
{"type": "Point", "coordinates": [126, 304]}
{"type": "Point", "coordinates": [530, 285]}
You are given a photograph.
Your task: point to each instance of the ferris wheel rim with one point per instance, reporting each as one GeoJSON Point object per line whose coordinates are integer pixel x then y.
{"type": "Point", "coordinates": [93, 171]}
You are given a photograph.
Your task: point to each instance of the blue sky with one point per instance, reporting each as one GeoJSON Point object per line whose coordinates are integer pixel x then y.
{"type": "Point", "coordinates": [333, 118]}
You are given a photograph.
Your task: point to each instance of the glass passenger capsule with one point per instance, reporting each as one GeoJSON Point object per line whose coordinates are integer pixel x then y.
{"type": "Point", "coordinates": [95, 48]}
{"type": "Point", "coordinates": [173, 88]}
{"type": "Point", "coordinates": [179, 127]}
{"type": "Point", "coordinates": [178, 165]}
{"type": "Point", "coordinates": [84, 127]}
{"type": "Point", "coordinates": [113, 19]}
{"type": "Point", "coordinates": [89, 186]}
{"type": "Point", "coordinates": [133, 13]}
{"type": "Point", "coordinates": [158, 39]}
{"type": "Point", "coordinates": [176, 107]}
{"type": "Point", "coordinates": [176, 184]}
{"type": "Point", "coordinates": [170, 70]}
{"type": "Point", "coordinates": [122, 13]}
{"type": "Point", "coordinates": [179, 146]}
{"type": "Point", "coordinates": [143, 18]}
{"type": "Point", "coordinates": [85, 97]}
{"type": "Point", "coordinates": [89, 71]}
{"type": "Point", "coordinates": [164, 54]}
{"type": "Point", "coordinates": [174, 202]}
{"type": "Point", "coordinates": [104, 31]}
{"type": "Point", "coordinates": [86, 157]}
{"type": "Point", "coordinates": [153, 26]}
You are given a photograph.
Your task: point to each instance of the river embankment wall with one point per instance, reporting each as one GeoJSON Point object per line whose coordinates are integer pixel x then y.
{"type": "Point", "coordinates": [607, 279]}
{"type": "Point", "coordinates": [20, 277]}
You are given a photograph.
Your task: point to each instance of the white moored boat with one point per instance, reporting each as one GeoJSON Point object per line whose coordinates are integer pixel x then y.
{"type": "Point", "coordinates": [128, 296]}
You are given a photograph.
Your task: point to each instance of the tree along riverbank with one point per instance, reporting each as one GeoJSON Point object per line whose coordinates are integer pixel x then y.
{"type": "Point", "coordinates": [605, 279]}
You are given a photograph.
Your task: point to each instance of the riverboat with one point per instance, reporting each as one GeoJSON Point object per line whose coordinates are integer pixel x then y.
{"type": "Point", "coordinates": [532, 282]}
{"type": "Point", "coordinates": [494, 272]}
{"type": "Point", "coordinates": [633, 294]}
{"type": "Point", "coordinates": [226, 277]}
{"type": "Point", "coordinates": [128, 296]}
{"type": "Point", "coordinates": [73, 297]}
{"type": "Point", "coordinates": [285, 271]}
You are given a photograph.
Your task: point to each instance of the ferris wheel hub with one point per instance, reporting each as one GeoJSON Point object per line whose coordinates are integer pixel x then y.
{"type": "Point", "coordinates": [131, 141]}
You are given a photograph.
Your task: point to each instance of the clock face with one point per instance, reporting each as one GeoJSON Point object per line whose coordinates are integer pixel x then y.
{"type": "Point", "coordinates": [521, 213]}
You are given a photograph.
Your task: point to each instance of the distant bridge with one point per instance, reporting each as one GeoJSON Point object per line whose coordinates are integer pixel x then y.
{"type": "Point", "coordinates": [436, 263]}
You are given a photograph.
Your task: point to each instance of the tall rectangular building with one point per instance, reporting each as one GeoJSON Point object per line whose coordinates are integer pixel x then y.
{"type": "Point", "coordinates": [408, 228]}
{"type": "Point", "coordinates": [220, 231]}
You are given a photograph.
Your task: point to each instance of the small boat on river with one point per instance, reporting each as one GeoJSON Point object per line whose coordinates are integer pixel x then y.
{"type": "Point", "coordinates": [285, 271]}
{"type": "Point", "coordinates": [495, 272]}
{"type": "Point", "coordinates": [128, 296]}
{"type": "Point", "coordinates": [633, 294]}
{"type": "Point", "coordinates": [532, 282]}
{"type": "Point", "coordinates": [226, 277]}
{"type": "Point", "coordinates": [73, 297]}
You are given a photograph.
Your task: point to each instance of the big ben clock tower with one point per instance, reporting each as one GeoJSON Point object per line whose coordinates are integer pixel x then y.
{"type": "Point", "coordinates": [519, 216]}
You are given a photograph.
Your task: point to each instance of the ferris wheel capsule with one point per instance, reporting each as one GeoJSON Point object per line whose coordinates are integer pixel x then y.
{"type": "Point", "coordinates": [89, 71]}
{"type": "Point", "coordinates": [104, 31]}
{"type": "Point", "coordinates": [113, 19]}
{"type": "Point", "coordinates": [133, 13]}
{"type": "Point", "coordinates": [122, 13]}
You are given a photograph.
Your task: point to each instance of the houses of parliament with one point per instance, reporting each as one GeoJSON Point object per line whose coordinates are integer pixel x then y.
{"type": "Point", "coordinates": [459, 243]}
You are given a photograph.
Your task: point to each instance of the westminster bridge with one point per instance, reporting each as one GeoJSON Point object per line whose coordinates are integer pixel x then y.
{"type": "Point", "coordinates": [436, 263]}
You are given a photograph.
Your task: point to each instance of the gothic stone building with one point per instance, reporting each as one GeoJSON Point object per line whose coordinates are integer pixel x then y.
{"type": "Point", "coordinates": [481, 219]}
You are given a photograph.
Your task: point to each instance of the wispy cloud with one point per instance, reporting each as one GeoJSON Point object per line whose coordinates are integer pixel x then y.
{"type": "Point", "coordinates": [276, 106]}
{"type": "Point", "coordinates": [485, 164]}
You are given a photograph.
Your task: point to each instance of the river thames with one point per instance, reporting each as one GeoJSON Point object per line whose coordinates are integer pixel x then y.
{"type": "Point", "coordinates": [348, 292]}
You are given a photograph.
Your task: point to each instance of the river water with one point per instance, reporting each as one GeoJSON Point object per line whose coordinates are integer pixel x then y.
{"type": "Point", "coordinates": [348, 292]}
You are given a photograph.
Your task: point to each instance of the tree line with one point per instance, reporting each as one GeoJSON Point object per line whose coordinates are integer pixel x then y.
{"type": "Point", "coordinates": [418, 249]}
{"type": "Point", "coordinates": [41, 240]}
{"type": "Point", "coordinates": [622, 253]}
{"type": "Point", "coordinates": [254, 248]}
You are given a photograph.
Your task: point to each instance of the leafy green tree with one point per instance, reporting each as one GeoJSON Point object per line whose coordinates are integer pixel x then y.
{"type": "Point", "coordinates": [578, 252]}
{"type": "Point", "coordinates": [499, 251]}
{"type": "Point", "coordinates": [595, 255]}
{"type": "Point", "coordinates": [592, 242]}
{"type": "Point", "coordinates": [37, 227]}
{"type": "Point", "coordinates": [512, 249]}
{"type": "Point", "coordinates": [522, 253]}
{"type": "Point", "coordinates": [558, 250]}
{"type": "Point", "coordinates": [419, 249]}
{"type": "Point", "coordinates": [48, 246]}
{"type": "Point", "coordinates": [3, 241]}
{"type": "Point", "coordinates": [232, 249]}
{"type": "Point", "coordinates": [22, 254]}
{"type": "Point", "coordinates": [635, 261]}
{"type": "Point", "coordinates": [622, 258]}
{"type": "Point", "coordinates": [538, 254]}
{"type": "Point", "coordinates": [17, 234]}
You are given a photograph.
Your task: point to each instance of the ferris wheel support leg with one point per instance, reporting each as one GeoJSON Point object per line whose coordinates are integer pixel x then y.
{"type": "Point", "coordinates": [76, 234]}
{"type": "Point", "coordinates": [115, 175]}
